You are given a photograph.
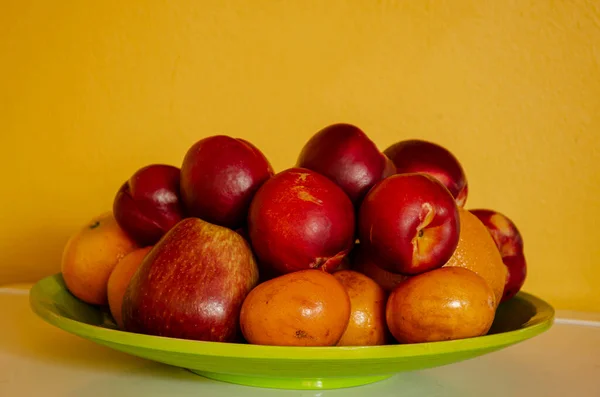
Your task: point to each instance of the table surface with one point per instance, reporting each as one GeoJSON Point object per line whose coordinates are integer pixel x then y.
{"type": "Point", "coordinates": [37, 359]}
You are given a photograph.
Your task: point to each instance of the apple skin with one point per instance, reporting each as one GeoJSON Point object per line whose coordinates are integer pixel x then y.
{"type": "Point", "coordinates": [410, 223]}
{"type": "Point", "coordinates": [416, 155]}
{"type": "Point", "coordinates": [345, 154]}
{"type": "Point", "coordinates": [219, 177]}
{"type": "Point", "coordinates": [192, 284]}
{"type": "Point", "coordinates": [148, 204]}
{"type": "Point", "coordinates": [300, 219]}
{"type": "Point", "coordinates": [509, 241]}
{"type": "Point", "coordinates": [507, 237]}
{"type": "Point", "coordinates": [517, 273]}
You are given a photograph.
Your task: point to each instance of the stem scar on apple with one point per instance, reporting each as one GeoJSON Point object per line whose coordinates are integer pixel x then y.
{"type": "Point", "coordinates": [95, 225]}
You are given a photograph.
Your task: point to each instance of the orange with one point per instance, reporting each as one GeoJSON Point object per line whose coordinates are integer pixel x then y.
{"type": "Point", "coordinates": [119, 280]}
{"type": "Point", "coordinates": [443, 304]}
{"type": "Point", "coordinates": [477, 251]}
{"type": "Point", "coordinates": [303, 308]}
{"type": "Point", "coordinates": [91, 254]}
{"type": "Point", "coordinates": [367, 325]}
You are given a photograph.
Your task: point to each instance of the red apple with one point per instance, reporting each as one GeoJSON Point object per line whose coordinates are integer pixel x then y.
{"type": "Point", "coordinates": [507, 237]}
{"type": "Point", "coordinates": [517, 273]}
{"type": "Point", "coordinates": [345, 154]}
{"type": "Point", "coordinates": [509, 241]}
{"type": "Point", "coordinates": [414, 155]}
{"type": "Point", "coordinates": [192, 284]}
{"type": "Point", "coordinates": [148, 204]}
{"type": "Point", "coordinates": [219, 177]}
{"type": "Point", "coordinates": [299, 219]}
{"type": "Point", "coordinates": [366, 263]}
{"type": "Point", "coordinates": [410, 222]}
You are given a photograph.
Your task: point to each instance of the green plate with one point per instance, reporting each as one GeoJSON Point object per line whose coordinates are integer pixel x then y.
{"type": "Point", "coordinates": [521, 318]}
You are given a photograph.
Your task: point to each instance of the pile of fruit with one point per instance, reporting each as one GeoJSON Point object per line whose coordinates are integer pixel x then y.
{"type": "Point", "coordinates": [350, 246]}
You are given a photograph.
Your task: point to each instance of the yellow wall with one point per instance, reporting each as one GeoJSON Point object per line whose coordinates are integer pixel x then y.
{"type": "Point", "coordinates": [90, 91]}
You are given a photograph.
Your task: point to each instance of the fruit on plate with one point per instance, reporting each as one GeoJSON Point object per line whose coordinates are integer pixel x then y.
{"type": "Point", "coordinates": [90, 256]}
{"type": "Point", "coordinates": [219, 177]}
{"type": "Point", "coordinates": [362, 261]}
{"type": "Point", "coordinates": [410, 222]}
{"type": "Point", "coordinates": [299, 219]}
{"type": "Point", "coordinates": [304, 308]}
{"type": "Point", "coordinates": [148, 204]}
{"type": "Point", "coordinates": [191, 285]}
{"type": "Point", "coordinates": [367, 326]}
{"type": "Point", "coordinates": [119, 280]}
{"type": "Point", "coordinates": [477, 251]}
{"type": "Point", "coordinates": [516, 266]}
{"type": "Point", "coordinates": [351, 246]}
{"type": "Point", "coordinates": [443, 304]}
{"type": "Point", "coordinates": [345, 154]}
{"type": "Point", "coordinates": [416, 155]}
{"type": "Point", "coordinates": [509, 241]}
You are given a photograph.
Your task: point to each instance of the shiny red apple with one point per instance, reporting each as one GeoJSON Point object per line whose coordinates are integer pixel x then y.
{"type": "Point", "coordinates": [509, 241]}
{"type": "Point", "coordinates": [299, 219]}
{"type": "Point", "coordinates": [415, 155]}
{"type": "Point", "coordinates": [345, 154]}
{"type": "Point", "coordinates": [192, 284]}
{"type": "Point", "coordinates": [219, 177]}
{"type": "Point", "coordinates": [148, 204]}
{"type": "Point", "coordinates": [410, 222]}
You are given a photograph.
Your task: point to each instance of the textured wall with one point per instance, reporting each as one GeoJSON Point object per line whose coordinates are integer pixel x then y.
{"type": "Point", "coordinates": [90, 91]}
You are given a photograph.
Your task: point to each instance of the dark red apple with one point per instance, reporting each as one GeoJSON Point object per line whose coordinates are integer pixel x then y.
{"type": "Point", "coordinates": [192, 284]}
{"type": "Point", "coordinates": [415, 155]}
{"type": "Point", "coordinates": [219, 177]}
{"type": "Point", "coordinates": [345, 154]}
{"type": "Point", "coordinates": [410, 222]}
{"type": "Point", "coordinates": [517, 273]}
{"type": "Point", "coordinates": [299, 219]}
{"type": "Point", "coordinates": [148, 204]}
{"type": "Point", "coordinates": [509, 241]}
{"type": "Point", "coordinates": [366, 263]}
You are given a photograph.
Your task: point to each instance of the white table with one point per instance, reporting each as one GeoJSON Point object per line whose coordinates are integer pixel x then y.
{"type": "Point", "coordinates": [37, 359]}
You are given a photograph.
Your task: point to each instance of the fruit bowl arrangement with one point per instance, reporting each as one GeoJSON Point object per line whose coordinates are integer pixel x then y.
{"type": "Point", "coordinates": [344, 269]}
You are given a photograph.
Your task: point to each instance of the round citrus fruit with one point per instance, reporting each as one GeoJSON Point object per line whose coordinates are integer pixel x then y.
{"type": "Point", "coordinates": [478, 252]}
{"type": "Point", "coordinates": [367, 310]}
{"type": "Point", "coordinates": [443, 304]}
{"type": "Point", "coordinates": [119, 280]}
{"type": "Point", "coordinates": [303, 308]}
{"type": "Point", "coordinates": [90, 256]}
